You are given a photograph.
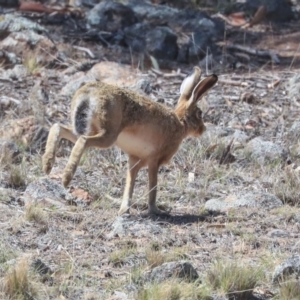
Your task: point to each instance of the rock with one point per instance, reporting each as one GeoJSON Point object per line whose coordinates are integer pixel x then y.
{"type": "Point", "coordinates": [265, 151]}
{"type": "Point", "coordinates": [18, 72]}
{"type": "Point", "coordinates": [159, 41]}
{"type": "Point", "coordinates": [277, 10]}
{"type": "Point", "coordinates": [293, 87]}
{"type": "Point", "coordinates": [118, 296]}
{"type": "Point", "coordinates": [30, 46]}
{"type": "Point", "coordinates": [110, 16]}
{"type": "Point", "coordinates": [135, 37]}
{"type": "Point", "coordinates": [7, 194]}
{"type": "Point", "coordinates": [156, 14]}
{"type": "Point", "coordinates": [248, 199]}
{"type": "Point", "coordinates": [105, 71]}
{"type": "Point", "coordinates": [127, 225]}
{"type": "Point", "coordinates": [200, 43]}
{"type": "Point", "coordinates": [12, 23]}
{"type": "Point", "coordinates": [40, 267]}
{"type": "Point", "coordinates": [143, 85]}
{"type": "Point", "coordinates": [8, 59]}
{"type": "Point", "coordinates": [26, 130]}
{"type": "Point", "coordinates": [46, 190]}
{"type": "Point", "coordinates": [294, 130]}
{"type": "Point", "coordinates": [162, 43]}
{"type": "Point", "coordinates": [278, 233]}
{"type": "Point", "coordinates": [11, 3]}
{"type": "Point", "coordinates": [288, 267]}
{"type": "Point", "coordinates": [174, 269]}
{"type": "Point", "coordinates": [9, 151]}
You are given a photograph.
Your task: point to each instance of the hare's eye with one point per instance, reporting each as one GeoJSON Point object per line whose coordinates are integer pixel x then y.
{"type": "Point", "coordinates": [199, 114]}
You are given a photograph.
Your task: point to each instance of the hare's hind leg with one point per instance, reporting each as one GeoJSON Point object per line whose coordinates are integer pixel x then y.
{"type": "Point", "coordinates": [152, 173]}
{"type": "Point", "coordinates": [105, 139]}
{"type": "Point", "coordinates": [134, 165]}
{"type": "Point", "coordinates": [56, 133]}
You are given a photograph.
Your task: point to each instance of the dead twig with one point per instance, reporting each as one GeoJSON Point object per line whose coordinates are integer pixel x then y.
{"type": "Point", "coordinates": [234, 83]}
{"type": "Point", "coordinates": [261, 53]}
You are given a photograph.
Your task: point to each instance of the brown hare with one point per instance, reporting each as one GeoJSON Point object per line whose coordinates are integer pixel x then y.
{"type": "Point", "coordinates": [103, 115]}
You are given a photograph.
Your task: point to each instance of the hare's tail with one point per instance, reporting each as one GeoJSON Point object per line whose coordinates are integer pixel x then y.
{"type": "Point", "coordinates": [81, 117]}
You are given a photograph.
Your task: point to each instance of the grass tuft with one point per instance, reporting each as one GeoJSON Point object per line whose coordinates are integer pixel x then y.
{"type": "Point", "coordinates": [174, 290]}
{"type": "Point", "coordinates": [18, 285]}
{"type": "Point", "coordinates": [35, 213]}
{"type": "Point", "coordinates": [289, 290]}
{"type": "Point", "coordinates": [231, 278]}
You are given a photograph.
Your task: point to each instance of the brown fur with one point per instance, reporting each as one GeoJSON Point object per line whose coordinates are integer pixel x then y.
{"type": "Point", "coordinates": [148, 132]}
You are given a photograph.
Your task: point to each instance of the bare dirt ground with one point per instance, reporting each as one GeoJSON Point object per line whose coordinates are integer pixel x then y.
{"type": "Point", "coordinates": [56, 248]}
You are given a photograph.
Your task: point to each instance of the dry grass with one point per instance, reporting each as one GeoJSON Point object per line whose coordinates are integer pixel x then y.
{"type": "Point", "coordinates": [17, 177]}
{"type": "Point", "coordinates": [231, 278]}
{"type": "Point", "coordinates": [174, 290]}
{"type": "Point", "coordinates": [289, 291]}
{"type": "Point", "coordinates": [119, 257]}
{"type": "Point", "coordinates": [19, 283]}
{"type": "Point", "coordinates": [32, 64]}
{"type": "Point", "coordinates": [35, 213]}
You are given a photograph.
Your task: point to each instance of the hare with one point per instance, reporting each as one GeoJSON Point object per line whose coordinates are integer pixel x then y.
{"type": "Point", "coordinates": [150, 133]}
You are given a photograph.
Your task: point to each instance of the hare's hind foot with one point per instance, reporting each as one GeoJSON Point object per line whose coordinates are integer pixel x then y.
{"type": "Point", "coordinates": [154, 210]}
{"type": "Point", "coordinates": [48, 162]}
{"type": "Point", "coordinates": [68, 175]}
{"type": "Point", "coordinates": [124, 209]}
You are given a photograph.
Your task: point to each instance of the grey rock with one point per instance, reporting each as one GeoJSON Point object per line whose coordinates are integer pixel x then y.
{"type": "Point", "coordinates": [278, 233]}
{"type": "Point", "coordinates": [9, 2]}
{"type": "Point", "coordinates": [18, 72]}
{"type": "Point", "coordinates": [110, 16]}
{"type": "Point", "coordinates": [127, 225]}
{"type": "Point", "coordinates": [120, 296]}
{"type": "Point", "coordinates": [155, 13]}
{"type": "Point", "coordinates": [7, 194]}
{"type": "Point", "coordinates": [293, 87]}
{"type": "Point", "coordinates": [8, 59]}
{"type": "Point", "coordinates": [288, 267]}
{"type": "Point", "coordinates": [277, 10]}
{"type": "Point", "coordinates": [246, 199]}
{"type": "Point", "coordinates": [9, 151]}
{"type": "Point", "coordinates": [74, 84]}
{"type": "Point", "coordinates": [45, 188]}
{"type": "Point", "coordinates": [12, 23]}
{"type": "Point", "coordinates": [162, 43]}
{"type": "Point", "coordinates": [135, 37]}
{"type": "Point", "coordinates": [143, 85]}
{"type": "Point", "coordinates": [159, 41]}
{"type": "Point", "coordinates": [294, 130]}
{"type": "Point", "coordinates": [265, 151]}
{"type": "Point", "coordinates": [175, 269]}
{"type": "Point", "coordinates": [200, 42]}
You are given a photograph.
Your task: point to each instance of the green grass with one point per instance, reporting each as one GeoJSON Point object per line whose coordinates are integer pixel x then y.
{"type": "Point", "coordinates": [234, 278]}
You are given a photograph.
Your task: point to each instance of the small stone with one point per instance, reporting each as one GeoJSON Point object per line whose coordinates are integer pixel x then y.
{"type": "Point", "coordinates": [278, 233]}
{"type": "Point", "coordinates": [175, 269]}
{"type": "Point", "coordinates": [249, 199]}
{"type": "Point", "coordinates": [265, 151]}
{"type": "Point", "coordinates": [288, 267]}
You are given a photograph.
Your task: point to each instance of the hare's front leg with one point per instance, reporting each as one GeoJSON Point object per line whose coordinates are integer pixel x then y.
{"type": "Point", "coordinates": [134, 165]}
{"type": "Point", "coordinates": [152, 173]}
{"type": "Point", "coordinates": [105, 139]}
{"type": "Point", "coordinates": [56, 133]}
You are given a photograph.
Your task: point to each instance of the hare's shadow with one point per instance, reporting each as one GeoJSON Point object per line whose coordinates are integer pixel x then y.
{"type": "Point", "coordinates": [179, 219]}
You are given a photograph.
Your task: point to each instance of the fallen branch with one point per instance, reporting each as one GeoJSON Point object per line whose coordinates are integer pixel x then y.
{"type": "Point", "coordinates": [257, 52]}
{"type": "Point", "coordinates": [234, 83]}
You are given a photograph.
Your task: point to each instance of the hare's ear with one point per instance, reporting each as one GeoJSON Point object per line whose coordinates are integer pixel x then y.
{"type": "Point", "coordinates": [189, 84]}
{"type": "Point", "coordinates": [201, 88]}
